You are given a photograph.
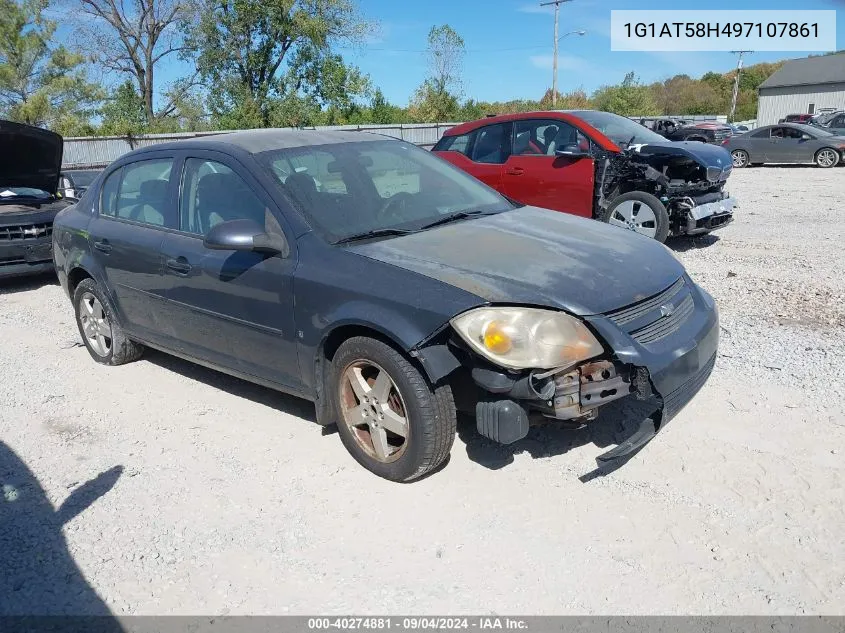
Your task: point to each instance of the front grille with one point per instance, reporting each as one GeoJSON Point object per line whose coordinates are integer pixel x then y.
{"type": "Point", "coordinates": [656, 318]}
{"type": "Point", "coordinates": [722, 134]}
{"type": "Point", "coordinates": [678, 399]}
{"type": "Point", "coordinates": [26, 231]}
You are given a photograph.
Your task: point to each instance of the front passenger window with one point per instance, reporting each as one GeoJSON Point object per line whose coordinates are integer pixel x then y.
{"type": "Point", "coordinates": [212, 193]}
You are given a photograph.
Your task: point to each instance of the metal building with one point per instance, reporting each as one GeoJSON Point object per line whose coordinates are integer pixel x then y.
{"type": "Point", "coordinates": [809, 85]}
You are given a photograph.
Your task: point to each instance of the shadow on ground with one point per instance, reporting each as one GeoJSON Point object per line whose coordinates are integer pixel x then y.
{"type": "Point", "coordinates": [617, 422]}
{"type": "Point", "coordinates": [39, 576]}
{"type": "Point", "coordinates": [690, 243]}
{"type": "Point", "coordinates": [30, 282]}
{"type": "Point", "coordinates": [235, 386]}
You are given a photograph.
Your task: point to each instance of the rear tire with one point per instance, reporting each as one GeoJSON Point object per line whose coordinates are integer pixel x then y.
{"type": "Point", "coordinates": [375, 410]}
{"type": "Point", "coordinates": [827, 157]}
{"type": "Point", "coordinates": [101, 333]}
{"type": "Point", "coordinates": [640, 212]}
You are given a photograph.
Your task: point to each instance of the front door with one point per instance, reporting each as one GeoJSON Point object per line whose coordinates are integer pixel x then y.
{"type": "Point", "coordinates": [534, 174]}
{"type": "Point", "coordinates": [787, 146]}
{"type": "Point", "coordinates": [126, 233]}
{"type": "Point", "coordinates": [231, 308]}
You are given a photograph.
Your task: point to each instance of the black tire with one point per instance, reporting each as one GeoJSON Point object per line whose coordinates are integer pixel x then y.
{"type": "Point", "coordinates": [120, 350]}
{"type": "Point", "coordinates": [661, 215]}
{"type": "Point", "coordinates": [826, 151]}
{"type": "Point", "coordinates": [740, 159]}
{"type": "Point", "coordinates": [429, 411]}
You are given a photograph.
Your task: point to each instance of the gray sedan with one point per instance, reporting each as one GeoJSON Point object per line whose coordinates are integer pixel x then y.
{"type": "Point", "coordinates": [786, 143]}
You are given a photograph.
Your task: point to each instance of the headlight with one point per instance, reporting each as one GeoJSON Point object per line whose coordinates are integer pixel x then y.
{"type": "Point", "coordinates": [522, 338]}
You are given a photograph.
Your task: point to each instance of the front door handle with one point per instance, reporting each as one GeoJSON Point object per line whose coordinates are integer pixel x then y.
{"type": "Point", "coordinates": [103, 246]}
{"type": "Point", "coordinates": [179, 266]}
{"type": "Point", "coordinates": [515, 171]}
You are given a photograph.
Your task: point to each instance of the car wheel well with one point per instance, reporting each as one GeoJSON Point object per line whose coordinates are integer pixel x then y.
{"type": "Point", "coordinates": [326, 414]}
{"type": "Point", "coordinates": [75, 277]}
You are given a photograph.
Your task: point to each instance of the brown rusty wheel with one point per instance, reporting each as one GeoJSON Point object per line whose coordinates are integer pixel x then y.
{"type": "Point", "coordinates": [373, 410]}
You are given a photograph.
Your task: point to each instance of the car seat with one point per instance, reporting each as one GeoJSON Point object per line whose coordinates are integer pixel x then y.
{"type": "Point", "coordinates": [153, 194]}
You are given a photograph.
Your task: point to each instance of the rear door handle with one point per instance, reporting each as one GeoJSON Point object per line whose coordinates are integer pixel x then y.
{"type": "Point", "coordinates": [103, 246]}
{"type": "Point", "coordinates": [515, 171]}
{"type": "Point", "coordinates": [179, 266]}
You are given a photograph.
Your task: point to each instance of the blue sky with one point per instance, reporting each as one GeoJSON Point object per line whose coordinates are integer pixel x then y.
{"type": "Point", "coordinates": [509, 44]}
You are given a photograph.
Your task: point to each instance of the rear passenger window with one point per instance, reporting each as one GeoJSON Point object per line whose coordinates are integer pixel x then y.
{"type": "Point", "coordinates": [108, 196]}
{"type": "Point", "coordinates": [492, 145]}
{"type": "Point", "coordinates": [144, 187]}
{"type": "Point", "coordinates": [458, 144]}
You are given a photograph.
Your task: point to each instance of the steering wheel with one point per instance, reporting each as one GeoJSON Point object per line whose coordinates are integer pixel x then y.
{"type": "Point", "coordinates": [390, 207]}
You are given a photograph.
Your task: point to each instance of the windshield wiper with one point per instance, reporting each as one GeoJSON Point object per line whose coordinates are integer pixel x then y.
{"type": "Point", "coordinates": [454, 217]}
{"type": "Point", "coordinates": [356, 237]}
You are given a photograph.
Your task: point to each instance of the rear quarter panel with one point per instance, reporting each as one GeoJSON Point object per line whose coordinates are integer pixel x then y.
{"type": "Point", "coordinates": [71, 247]}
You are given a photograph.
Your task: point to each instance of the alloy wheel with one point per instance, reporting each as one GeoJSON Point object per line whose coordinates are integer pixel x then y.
{"type": "Point", "coordinates": [635, 215]}
{"type": "Point", "coordinates": [739, 159]}
{"type": "Point", "coordinates": [374, 411]}
{"type": "Point", "coordinates": [826, 158]}
{"type": "Point", "coordinates": [95, 324]}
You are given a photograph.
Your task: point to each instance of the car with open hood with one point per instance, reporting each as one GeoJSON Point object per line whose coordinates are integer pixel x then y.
{"type": "Point", "coordinates": [597, 165]}
{"type": "Point", "coordinates": [385, 285]}
{"type": "Point", "coordinates": [30, 160]}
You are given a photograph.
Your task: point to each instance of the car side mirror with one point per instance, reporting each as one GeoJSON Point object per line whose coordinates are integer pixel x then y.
{"type": "Point", "coordinates": [245, 235]}
{"type": "Point", "coordinates": [572, 151]}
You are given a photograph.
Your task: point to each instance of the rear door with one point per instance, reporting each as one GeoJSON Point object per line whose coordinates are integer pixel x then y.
{"type": "Point", "coordinates": [534, 174]}
{"type": "Point", "coordinates": [480, 153]}
{"type": "Point", "coordinates": [135, 208]}
{"type": "Point", "coordinates": [231, 308]}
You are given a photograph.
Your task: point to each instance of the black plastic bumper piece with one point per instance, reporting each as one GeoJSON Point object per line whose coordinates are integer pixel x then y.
{"type": "Point", "coordinates": [503, 421]}
{"type": "Point", "coordinates": [646, 432]}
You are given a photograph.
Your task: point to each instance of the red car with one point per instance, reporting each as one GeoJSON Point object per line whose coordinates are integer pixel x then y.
{"type": "Point", "coordinates": [597, 165]}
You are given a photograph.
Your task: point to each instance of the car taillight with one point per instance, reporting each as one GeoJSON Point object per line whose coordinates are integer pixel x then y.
{"type": "Point", "coordinates": [725, 142]}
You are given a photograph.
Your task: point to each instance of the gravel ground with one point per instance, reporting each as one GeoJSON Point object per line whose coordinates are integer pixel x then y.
{"type": "Point", "coordinates": [160, 487]}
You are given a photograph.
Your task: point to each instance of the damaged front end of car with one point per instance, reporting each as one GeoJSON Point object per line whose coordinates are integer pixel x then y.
{"type": "Point", "coordinates": [659, 351]}
{"type": "Point", "coordinates": [689, 178]}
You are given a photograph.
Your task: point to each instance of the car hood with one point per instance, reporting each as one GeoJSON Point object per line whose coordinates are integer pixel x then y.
{"type": "Point", "coordinates": [536, 257]}
{"type": "Point", "coordinates": [705, 154]}
{"type": "Point", "coordinates": [29, 157]}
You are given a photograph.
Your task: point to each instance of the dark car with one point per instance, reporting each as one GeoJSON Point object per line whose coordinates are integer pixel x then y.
{"type": "Point", "coordinates": [394, 292]}
{"type": "Point", "coordinates": [597, 165]}
{"type": "Point", "coordinates": [833, 122]}
{"type": "Point", "coordinates": [75, 182]}
{"type": "Point", "coordinates": [679, 130]}
{"type": "Point", "coordinates": [797, 118]}
{"type": "Point", "coordinates": [30, 159]}
{"type": "Point", "coordinates": [786, 143]}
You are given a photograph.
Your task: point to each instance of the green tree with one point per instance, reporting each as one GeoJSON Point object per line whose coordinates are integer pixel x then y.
{"type": "Point", "coordinates": [437, 99]}
{"type": "Point", "coordinates": [630, 98]}
{"type": "Point", "coordinates": [134, 38]}
{"type": "Point", "coordinates": [41, 83]}
{"type": "Point", "coordinates": [123, 112]}
{"type": "Point", "coordinates": [271, 63]}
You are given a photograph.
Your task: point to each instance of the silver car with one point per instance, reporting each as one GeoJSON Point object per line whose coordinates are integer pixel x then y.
{"type": "Point", "coordinates": [786, 143]}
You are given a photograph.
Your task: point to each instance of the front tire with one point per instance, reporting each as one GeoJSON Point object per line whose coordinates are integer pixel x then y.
{"type": "Point", "coordinates": [640, 212]}
{"type": "Point", "coordinates": [740, 158]}
{"type": "Point", "coordinates": [390, 418]}
{"type": "Point", "coordinates": [827, 158]}
{"type": "Point", "coordinates": [103, 337]}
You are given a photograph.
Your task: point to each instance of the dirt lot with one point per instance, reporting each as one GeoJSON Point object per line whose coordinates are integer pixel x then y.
{"type": "Point", "coordinates": [220, 497]}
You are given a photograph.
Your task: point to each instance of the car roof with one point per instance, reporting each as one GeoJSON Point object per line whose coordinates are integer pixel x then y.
{"type": "Point", "coordinates": [570, 116]}
{"type": "Point", "coordinates": [263, 140]}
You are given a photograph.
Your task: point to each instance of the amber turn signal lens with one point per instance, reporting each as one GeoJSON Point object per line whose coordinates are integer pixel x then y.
{"type": "Point", "coordinates": [496, 339]}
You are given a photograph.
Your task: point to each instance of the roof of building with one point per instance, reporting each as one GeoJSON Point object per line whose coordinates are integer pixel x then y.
{"type": "Point", "coordinates": [825, 69]}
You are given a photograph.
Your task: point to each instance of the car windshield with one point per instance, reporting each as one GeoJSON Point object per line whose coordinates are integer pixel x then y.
{"type": "Point", "coordinates": [83, 178]}
{"type": "Point", "coordinates": [619, 129]}
{"type": "Point", "coordinates": [349, 190]}
{"type": "Point", "coordinates": [10, 193]}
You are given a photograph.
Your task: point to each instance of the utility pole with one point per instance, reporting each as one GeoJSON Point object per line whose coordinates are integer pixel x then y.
{"type": "Point", "coordinates": [557, 4]}
{"type": "Point", "coordinates": [736, 83]}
